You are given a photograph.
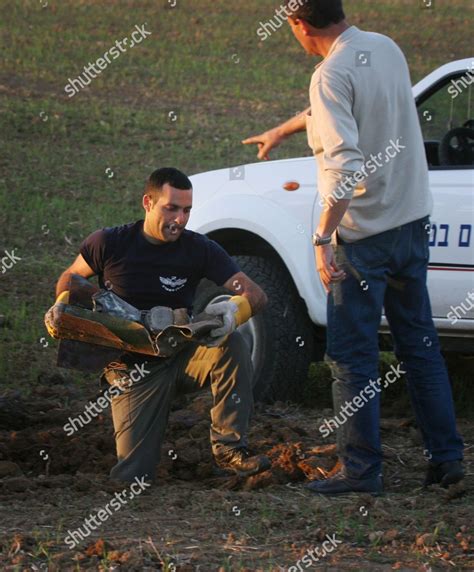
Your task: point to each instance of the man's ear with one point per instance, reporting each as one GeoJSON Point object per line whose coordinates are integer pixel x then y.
{"type": "Point", "coordinates": [305, 27]}
{"type": "Point", "coordinates": [147, 203]}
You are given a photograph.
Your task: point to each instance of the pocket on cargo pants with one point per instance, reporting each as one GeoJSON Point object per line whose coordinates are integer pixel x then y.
{"type": "Point", "coordinates": [118, 375]}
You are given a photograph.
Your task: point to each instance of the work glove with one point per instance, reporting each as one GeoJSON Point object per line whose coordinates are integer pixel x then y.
{"type": "Point", "coordinates": [233, 313]}
{"type": "Point", "coordinates": [51, 318]}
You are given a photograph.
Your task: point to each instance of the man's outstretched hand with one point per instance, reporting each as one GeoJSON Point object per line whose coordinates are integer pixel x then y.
{"type": "Point", "coordinates": [266, 142]}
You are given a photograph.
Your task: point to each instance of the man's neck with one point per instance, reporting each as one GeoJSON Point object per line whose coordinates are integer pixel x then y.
{"type": "Point", "coordinates": [326, 40]}
{"type": "Point", "coordinates": [149, 237]}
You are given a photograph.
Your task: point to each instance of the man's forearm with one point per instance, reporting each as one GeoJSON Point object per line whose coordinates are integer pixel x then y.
{"type": "Point", "coordinates": [331, 217]}
{"type": "Point", "coordinates": [63, 283]}
{"type": "Point", "coordinates": [257, 301]}
{"type": "Point", "coordinates": [294, 125]}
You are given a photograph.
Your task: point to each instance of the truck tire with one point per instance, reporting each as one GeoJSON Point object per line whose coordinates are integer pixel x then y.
{"type": "Point", "coordinates": [280, 338]}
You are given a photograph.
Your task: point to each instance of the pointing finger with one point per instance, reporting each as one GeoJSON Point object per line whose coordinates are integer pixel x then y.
{"type": "Point", "coordinates": [251, 140]}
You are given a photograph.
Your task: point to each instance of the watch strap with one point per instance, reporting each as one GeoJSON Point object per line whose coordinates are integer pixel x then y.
{"type": "Point", "coordinates": [321, 241]}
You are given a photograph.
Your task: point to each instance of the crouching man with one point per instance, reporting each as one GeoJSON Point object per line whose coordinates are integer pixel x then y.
{"type": "Point", "coordinates": [157, 262]}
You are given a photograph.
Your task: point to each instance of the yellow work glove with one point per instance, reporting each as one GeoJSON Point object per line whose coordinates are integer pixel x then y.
{"type": "Point", "coordinates": [244, 310]}
{"type": "Point", "coordinates": [233, 312]}
{"type": "Point", "coordinates": [51, 317]}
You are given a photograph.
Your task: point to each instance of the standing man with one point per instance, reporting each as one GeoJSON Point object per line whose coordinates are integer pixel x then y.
{"type": "Point", "coordinates": [371, 243]}
{"type": "Point", "coordinates": [157, 262]}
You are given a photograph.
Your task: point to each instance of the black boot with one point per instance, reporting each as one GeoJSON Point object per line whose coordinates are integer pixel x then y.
{"type": "Point", "coordinates": [340, 484]}
{"type": "Point", "coordinates": [444, 474]}
{"type": "Point", "coordinates": [240, 462]}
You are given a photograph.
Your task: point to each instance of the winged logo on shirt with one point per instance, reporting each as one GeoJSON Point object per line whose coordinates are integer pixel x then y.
{"type": "Point", "coordinates": [173, 283]}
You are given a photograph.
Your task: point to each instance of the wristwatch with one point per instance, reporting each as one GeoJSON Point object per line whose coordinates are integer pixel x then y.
{"type": "Point", "coordinates": [319, 240]}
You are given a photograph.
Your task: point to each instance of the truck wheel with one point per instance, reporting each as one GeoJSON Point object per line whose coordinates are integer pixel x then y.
{"type": "Point", "coordinates": [280, 338]}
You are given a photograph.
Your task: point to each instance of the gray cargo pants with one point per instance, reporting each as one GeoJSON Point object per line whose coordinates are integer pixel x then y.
{"type": "Point", "coordinates": [140, 412]}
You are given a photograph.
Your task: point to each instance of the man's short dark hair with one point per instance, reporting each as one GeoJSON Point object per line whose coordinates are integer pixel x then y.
{"type": "Point", "coordinates": [169, 175]}
{"type": "Point", "coordinates": [318, 13]}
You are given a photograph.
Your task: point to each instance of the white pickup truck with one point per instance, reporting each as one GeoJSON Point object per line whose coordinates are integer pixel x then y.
{"type": "Point", "coordinates": [264, 213]}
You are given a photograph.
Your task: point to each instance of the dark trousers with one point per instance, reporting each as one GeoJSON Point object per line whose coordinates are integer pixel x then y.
{"type": "Point", "coordinates": [140, 413]}
{"type": "Point", "coordinates": [387, 270]}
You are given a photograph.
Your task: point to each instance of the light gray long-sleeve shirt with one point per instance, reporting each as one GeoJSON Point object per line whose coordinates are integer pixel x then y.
{"type": "Point", "coordinates": [366, 136]}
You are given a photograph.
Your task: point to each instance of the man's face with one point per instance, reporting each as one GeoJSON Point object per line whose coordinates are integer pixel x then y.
{"type": "Point", "coordinates": [166, 218]}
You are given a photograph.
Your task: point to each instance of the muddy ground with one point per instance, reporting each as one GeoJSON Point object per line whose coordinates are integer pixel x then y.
{"type": "Point", "coordinates": [193, 520]}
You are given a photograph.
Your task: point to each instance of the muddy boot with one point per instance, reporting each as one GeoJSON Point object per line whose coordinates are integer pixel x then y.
{"type": "Point", "coordinates": [240, 462]}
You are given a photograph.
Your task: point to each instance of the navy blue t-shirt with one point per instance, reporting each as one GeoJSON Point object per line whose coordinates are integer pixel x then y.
{"type": "Point", "coordinates": [146, 274]}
